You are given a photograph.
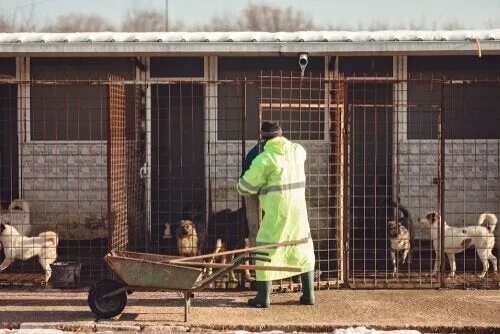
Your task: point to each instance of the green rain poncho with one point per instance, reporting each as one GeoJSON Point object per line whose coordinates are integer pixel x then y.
{"type": "Point", "coordinates": [277, 176]}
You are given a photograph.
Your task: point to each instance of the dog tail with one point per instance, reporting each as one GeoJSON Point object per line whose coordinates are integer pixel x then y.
{"type": "Point", "coordinates": [491, 221]}
{"type": "Point", "coordinates": [50, 237]}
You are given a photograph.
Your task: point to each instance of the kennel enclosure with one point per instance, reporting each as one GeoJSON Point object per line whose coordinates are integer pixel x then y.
{"type": "Point", "coordinates": [110, 143]}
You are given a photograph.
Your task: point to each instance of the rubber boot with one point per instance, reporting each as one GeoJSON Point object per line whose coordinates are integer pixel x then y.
{"type": "Point", "coordinates": [307, 297]}
{"type": "Point", "coordinates": [262, 299]}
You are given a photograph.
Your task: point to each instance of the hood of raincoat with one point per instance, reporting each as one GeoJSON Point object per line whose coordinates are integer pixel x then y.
{"type": "Point", "coordinates": [278, 145]}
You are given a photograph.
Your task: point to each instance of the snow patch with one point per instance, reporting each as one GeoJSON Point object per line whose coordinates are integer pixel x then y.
{"type": "Point", "coordinates": [350, 330]}
{"type": "Point", "coordinates": [249, 36]}
{"type": "Point", "coordinates": [364, 330]}
{"type": "Point", "coordinates": [32, 331]}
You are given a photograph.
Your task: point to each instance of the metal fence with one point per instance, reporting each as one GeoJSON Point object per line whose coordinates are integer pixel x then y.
{"type": "Point", "coordinates": [417, 146]}
{"type": "Point", "coordinates": [120, 164]}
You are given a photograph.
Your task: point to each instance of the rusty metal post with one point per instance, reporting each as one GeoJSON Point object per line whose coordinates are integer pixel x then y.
{"type": "Point", "coordinates": [243, 120]}
{"type": "Point", "coordinates": [441, 184]}
{"type": "Point", "coordinates": [347, 126]}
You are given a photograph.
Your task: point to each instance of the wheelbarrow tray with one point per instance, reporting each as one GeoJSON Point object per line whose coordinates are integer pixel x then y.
{"type": "Point", "coordinates": [145, 270]}
{"type": "Point", "coordinates": [107, 298]}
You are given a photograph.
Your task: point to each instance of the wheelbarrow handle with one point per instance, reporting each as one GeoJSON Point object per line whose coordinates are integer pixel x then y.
{"type": "Point", "coordinates": [259, 253]}
{"type": "Point", "coordinates": [242, 251]}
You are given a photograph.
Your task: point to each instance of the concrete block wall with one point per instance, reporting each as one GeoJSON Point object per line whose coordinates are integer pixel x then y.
{"type": "Point", "coordinates": [65, 185]}
{"type": "Point", "coordinates": [472, 180]}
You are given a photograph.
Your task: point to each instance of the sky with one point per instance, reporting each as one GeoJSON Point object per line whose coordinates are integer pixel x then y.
{"type": "Point", "coordinates": [473, 14]}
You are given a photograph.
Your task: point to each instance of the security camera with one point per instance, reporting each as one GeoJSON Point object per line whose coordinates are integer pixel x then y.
{"type": "Point", "coordinates": [303, 61]}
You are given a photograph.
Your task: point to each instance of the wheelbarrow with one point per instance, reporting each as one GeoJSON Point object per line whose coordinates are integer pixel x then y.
{"type": "Point", "coordinates": [144, 271]}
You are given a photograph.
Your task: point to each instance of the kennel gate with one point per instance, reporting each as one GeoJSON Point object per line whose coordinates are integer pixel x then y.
{"type": "Point", "coordinates": [310, 110]}
{"type": "Point", "coordinates": [410, 141]}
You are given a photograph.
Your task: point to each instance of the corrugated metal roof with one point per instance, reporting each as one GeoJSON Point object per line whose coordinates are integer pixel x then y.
{"type": "Point", "coordinates": [263, 37]}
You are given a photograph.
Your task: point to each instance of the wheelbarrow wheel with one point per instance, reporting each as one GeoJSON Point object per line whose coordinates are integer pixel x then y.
{"type": "Point", "coordinates": [107, 307]}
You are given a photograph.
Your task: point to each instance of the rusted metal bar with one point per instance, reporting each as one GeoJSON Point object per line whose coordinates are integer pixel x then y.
{"type": "Point", "coordinates": [242, 266]}
{"type": "Point", "coordinates": [442, 153]}
{"type": "Point", "coordinates": [239, 251]}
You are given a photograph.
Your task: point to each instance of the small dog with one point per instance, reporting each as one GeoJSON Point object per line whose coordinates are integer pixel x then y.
{"type": "Point", "coordinates": [234, 228]}
{"type": "Point", "coordinates": [457, 239]}
{"type": "Point", "coordinates": [19, 247]}
{"type": "Point", "coordinates": [187, 238]}
{"type": "Point", "coordinates": [220, 247]}
{"type": "Point", "coordinates": [400, 237]}
{"type": "Point", "coordinates": [191, 237]}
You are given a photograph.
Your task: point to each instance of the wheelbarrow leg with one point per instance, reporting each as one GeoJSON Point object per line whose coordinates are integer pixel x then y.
{"type": "Point", "coordinates": [187, 304]}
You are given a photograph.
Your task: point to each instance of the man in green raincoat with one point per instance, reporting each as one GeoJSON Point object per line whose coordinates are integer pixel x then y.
{"type": "Point", "coordinates": [277, 176]}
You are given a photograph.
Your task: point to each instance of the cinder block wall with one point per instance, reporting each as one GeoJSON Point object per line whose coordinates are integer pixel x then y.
{"type": "Point", "coordinates": [65, 185]}
{"type": "Point", "coordinates": [472, 174]}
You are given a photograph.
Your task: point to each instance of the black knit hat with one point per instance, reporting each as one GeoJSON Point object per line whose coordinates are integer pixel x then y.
{"type": "Point", "coordinates": [270, 130]}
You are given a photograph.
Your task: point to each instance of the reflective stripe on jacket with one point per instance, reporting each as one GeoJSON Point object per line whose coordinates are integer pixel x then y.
{"type": "Point", "coordinates": [277, 176]}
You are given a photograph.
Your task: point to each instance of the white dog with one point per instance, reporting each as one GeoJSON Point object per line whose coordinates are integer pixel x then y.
{"type": "Point", "coordinates": [457, 239]}
{"type": "Point", "coordinates": [19, 247]}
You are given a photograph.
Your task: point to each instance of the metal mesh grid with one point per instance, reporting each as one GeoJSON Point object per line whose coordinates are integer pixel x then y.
{"type": "Point", "coordinates": [309, 110]}
{"type": "Point", "coordinates": [58, 168]}
{"type": "Point", "coordinates": [409, 154]}
{"type": "Point", "coordinates": [370, 141]}
{"type": "Point", "coordinates": [117, 166]}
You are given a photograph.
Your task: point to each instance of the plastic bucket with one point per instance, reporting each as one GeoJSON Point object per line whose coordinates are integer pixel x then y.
{"type": "Point", "coordinates": [66, 274]}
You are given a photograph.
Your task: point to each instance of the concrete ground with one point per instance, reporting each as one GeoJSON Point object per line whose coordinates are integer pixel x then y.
{"type": "Point", "coordinates": [425, 310]}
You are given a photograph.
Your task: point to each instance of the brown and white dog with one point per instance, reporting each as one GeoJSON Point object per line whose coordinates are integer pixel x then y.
{"type": "Point", "coordinates": [398, 231]}
{"type": "Point", "coordinates": [220, 247]}
{"type": "Point", "coordinates": [458, 239]}
{"type": "Point", "coordinates": [228, 230]}
{"type": "Point", "coordinates": [190, 235]}
{"type": "Point", "coordinates": [19, 247]}
{"type": "Point", "coordinates": [187, 239]}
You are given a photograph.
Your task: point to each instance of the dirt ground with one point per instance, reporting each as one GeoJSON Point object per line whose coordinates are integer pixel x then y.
{"type": "Point", "coordinates": [426, 310]}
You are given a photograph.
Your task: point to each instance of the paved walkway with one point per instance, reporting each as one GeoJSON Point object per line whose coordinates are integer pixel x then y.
{"type": "Point", "coordinates": [425, 310]}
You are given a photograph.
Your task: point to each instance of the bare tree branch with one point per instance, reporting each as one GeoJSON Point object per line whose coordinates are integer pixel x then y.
{"type": "Point", "coordinates": [272, 18]}
{"type": "Point", "coordinates": [261, 18]}
{"type": "Point", "coordinates": [492, 23]}
{"type": "Point", "coordinates": [222, 22]}
{"type": "Point", "coordinates": [452, 25]}
{"type": "Point", "coordinates": [147, 20]}
{"type": "Point", "coordinates": [75, 22]}
{"type": "Point", "coordinates": [5, 25]}
{"type": "Point", "coordinates": [22, 20]}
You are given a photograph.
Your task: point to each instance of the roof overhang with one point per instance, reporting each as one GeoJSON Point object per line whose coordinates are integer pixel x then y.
{"type": "Point", "coordinates": [390, 42]}
{"type": "Point", "coordinates": [249, 48]}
